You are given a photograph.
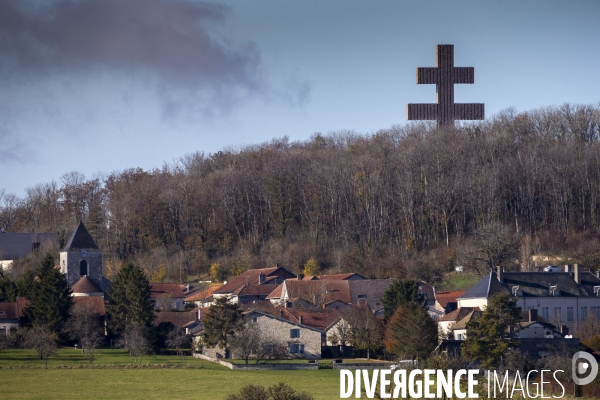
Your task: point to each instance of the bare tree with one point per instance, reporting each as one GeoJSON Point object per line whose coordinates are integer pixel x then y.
{"type": "Point", "coordinates": [341, 334]}
{"type": "Point", "coordinates": [85, 326]}
{"type": "Point", "coordinates": [42, 340]}
{"type": "Point", "coordinates": [135, 342]}
{"type": "Point", "coordinates": [247, 341]}
{"type": "Point", "coordinates": [178, 339]}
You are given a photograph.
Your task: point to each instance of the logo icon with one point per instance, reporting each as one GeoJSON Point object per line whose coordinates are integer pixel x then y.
{"type": "Point", "coordinates": [582, 364]}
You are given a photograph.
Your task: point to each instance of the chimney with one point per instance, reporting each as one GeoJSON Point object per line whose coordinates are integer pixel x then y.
{"type": "Point", "coordinates": [261, 278]}
{"type": "Point", "coordinates": [567, 268]}
{"type": "Point", "coordinates": [280, 313]}
{"type": "Point", "coordinates": [300, 319]}
{"type": "Point", "coordinates": [199, 314]}
{"type": "Point", "coordinates": [564, 330]}
{"type": "Point", "coordinates": [598, 273]}
{"type": "Point", "coordinates": [500, 273]}
{"type": "Point", "coordinates": [577, 274]}
{"type": "Point", "coordinates": [533, 315]}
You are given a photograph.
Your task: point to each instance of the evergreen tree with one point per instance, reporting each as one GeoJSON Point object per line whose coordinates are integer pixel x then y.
{"type": "Point", "coordinates": [50, 297]}
{"type": "Point", "coordinates": [487, 337]}
{"type": "Point", "coordinates": [8, 290]}
{"type": "Point", "coordinates": [411, 332]}
{"type": "Point", "coordinates": [221, 321]}
{"type": "Point", "coordinates": [130, 301]}
{"type": "Point", "coordinates": [400, 292]}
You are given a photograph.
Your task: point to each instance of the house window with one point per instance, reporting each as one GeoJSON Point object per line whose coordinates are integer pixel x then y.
{"type": "Point", "coordinates": [545, 313]}
{"type": "Point", "coordinates": [362, 296]}
{"type": "Point", "coordinates": [583, 312]}
{"type": "Point", "coordinates": [83, 268]}
{"type": "Point", "coordinates": [294, 333]}
{"type": "Point", "coordinates": [267, 348]}
{"type": "Point", "coordinates": [3, 331]}
{"type": "Point", "coordinates": [570, 314]}
{"type": "Point", "coordinates": [596, 309]}
{"type": "Point", "coordinates": [296, 348]}
{"type": "Point", "coordinates": [557, 313]}
{"type": "Point", "coordinates": [255, 320]}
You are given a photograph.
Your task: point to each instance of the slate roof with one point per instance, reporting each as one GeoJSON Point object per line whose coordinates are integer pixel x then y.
{"type": "Point", "coordinates": [85, 285]}
{"type": "Point", "coordinates": [96, 303]}
{"type": "Point", "coordinates": [179, 319]}
{"type": "Point", "coordinates": [19, 245]}
{"type": "Point", "coordinates": [535, 284]}
{"type": "Point", "coordinates": [251, 277]}
{"type": "Point", "coordinates": [81, 239]}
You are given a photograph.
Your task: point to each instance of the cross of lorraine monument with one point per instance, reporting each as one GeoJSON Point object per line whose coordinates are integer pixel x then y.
{"type": "Point", "coordinates": [445, 75]}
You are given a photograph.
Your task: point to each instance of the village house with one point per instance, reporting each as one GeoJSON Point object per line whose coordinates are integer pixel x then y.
{"type": "Point", "coordinates": [202, 298]}
{"type": "Point", "coordinates": [170, 296]}
{"type": "Point", "coordinates": [561, 298]}
{"type": "Point", "coordinates": [332, 294]}
{"type": "Point", "coordinates": [301, 341]}
{"type": "Point", "coordinates": [253, 284]}
{"type": "Point", "coordinates": [14, 246]}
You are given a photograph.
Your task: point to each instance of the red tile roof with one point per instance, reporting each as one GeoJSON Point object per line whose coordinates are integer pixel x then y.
{"type": "Point", "coordinates": [252, 276]}
{"type": "Point", "coordinates": [22, 302]}
{"type": "Point", "coordinates": [172, 290]}
{"type": "Point", "coordinates": [328, 290]}
{"type": "Point", "coordinates": [317, 318]}
{"type": "Point", "coordinates": [95, 303]}
{"type": "Point", "coordinates": [85, 285]}
{"type": "Point", "coordinates": [9, 311]}
{"type": "Point", "coordinates": [443, 298]}
{"type": "Point", "coordinates": [255, 290]}
{"type": "Point", "coordinates": [340, 277]}
{"type": "Point", "coordinates": [201, 295]}
{"type": "Point", "coordinates": [179, 319]}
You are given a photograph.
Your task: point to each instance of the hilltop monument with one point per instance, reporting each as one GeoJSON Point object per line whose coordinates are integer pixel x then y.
{"type": "Point", "coordinates": [445, 75]}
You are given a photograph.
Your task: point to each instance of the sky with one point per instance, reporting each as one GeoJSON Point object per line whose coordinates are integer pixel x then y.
{"type": "Point", "coordinates": [98, 86]}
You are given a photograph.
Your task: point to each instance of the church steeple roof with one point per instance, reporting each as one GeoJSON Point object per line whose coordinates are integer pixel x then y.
{"type": "Point", "coordinates": [81, 239]}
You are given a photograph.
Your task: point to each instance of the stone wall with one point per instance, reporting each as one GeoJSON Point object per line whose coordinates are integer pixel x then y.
{"type": "Point", "coordinates": [251, 366]}
{"type": "Point", "coordinates": [278, 329]}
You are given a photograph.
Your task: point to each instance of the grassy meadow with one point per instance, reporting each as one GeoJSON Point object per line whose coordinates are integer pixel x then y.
{"type": "Point", "coordinates": [114, 376]}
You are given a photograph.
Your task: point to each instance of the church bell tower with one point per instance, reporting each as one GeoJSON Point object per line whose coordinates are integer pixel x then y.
{"type": "Point", "coordinates": [81, 257]}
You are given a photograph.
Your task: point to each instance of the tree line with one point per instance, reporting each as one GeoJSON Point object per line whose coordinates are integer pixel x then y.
{"type": "Point", "coordinates": [366, 203]}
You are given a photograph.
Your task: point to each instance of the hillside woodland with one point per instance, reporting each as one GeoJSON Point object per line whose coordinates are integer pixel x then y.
{"type": "Point", "coordinates": [407, 201]}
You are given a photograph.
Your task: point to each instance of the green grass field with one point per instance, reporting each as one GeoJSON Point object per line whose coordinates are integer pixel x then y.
{"type": "Point", "coordinates": [22, 376]}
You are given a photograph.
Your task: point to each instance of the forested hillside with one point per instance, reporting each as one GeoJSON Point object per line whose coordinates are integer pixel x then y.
{"type": "Point", "coordinates": [400, 200]}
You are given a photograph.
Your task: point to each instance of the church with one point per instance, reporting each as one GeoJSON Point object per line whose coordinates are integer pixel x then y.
{"type": "Point", "coordinates": [81, 262]}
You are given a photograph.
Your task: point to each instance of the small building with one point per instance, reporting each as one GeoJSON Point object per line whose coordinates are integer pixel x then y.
{"type": "Point", "coordinates": [14, 246]}
{"type": "Point", "coordinates": [561, 298]}
{"type": "Point", "coordinates": [170, 296]}
{"type": "Point", "coordinates": [302, 341]}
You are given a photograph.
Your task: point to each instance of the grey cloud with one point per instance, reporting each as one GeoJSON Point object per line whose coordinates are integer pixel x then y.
{"type": "Point", "coordinates": [167, 38]}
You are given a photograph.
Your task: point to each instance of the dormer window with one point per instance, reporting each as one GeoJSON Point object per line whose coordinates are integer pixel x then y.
{"type": "Point", "coordinates": [597, 291]}
{"type": "Point", "coordinates": [554, 290]}
{"type": "Point", "coordinates": [516, 290]}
